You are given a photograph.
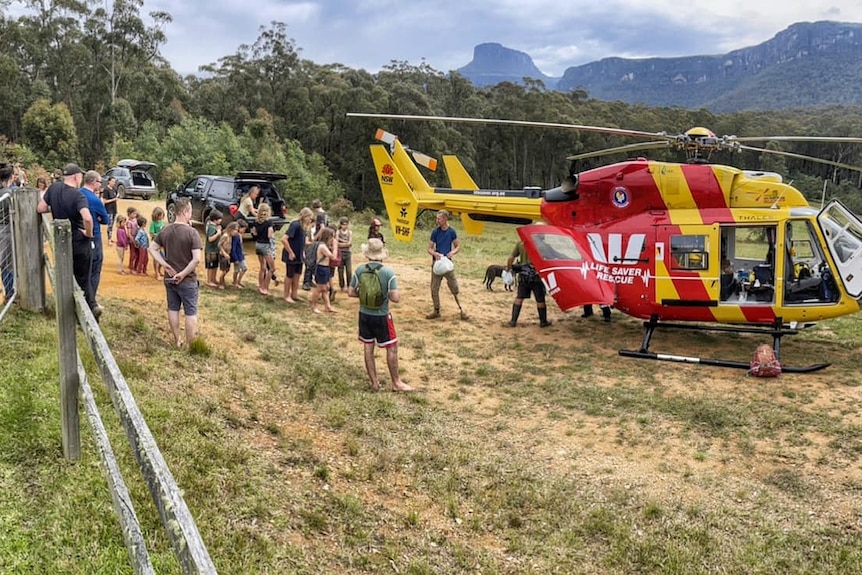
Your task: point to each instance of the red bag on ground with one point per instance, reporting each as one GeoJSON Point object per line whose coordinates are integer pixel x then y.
{"type": "Point", "coordinates": [764, 363]}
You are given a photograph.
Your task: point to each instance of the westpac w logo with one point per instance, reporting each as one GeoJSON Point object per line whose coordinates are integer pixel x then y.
{"type": "Point", "coordinates": [614, 253]}
{"type": "Point", "coordinates": [551, 283]}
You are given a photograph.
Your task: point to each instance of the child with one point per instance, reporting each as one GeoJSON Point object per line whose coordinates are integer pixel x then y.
{"type": "Point", "coordinates": [237, 256]}
{"type": "Point", "coordinates": [323, 273]}
{"type": "Point", "coordinates": [374, 231]}
{"type": "Point", "coordinates": [344, 236]}
{"type": "Point", "coordinates": [224, 247]}
{"type": "Point", "coordinates": [143, 242]}
{"type": "Point", "coordinates": [156, 225]}
{"type": "Point", "coordinates": [213, 233]}
{"type": "Point", "coordinates": [131, 233]}
{"type": "Point", "coordinates": [122, 241]}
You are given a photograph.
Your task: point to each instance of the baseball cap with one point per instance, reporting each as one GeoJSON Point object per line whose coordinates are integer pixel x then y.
{"type": "Point", "coordinates": [72, 169]}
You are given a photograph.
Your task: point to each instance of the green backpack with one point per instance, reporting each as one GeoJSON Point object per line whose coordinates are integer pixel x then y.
{"type": "Point", "coordinates": [370, 287]}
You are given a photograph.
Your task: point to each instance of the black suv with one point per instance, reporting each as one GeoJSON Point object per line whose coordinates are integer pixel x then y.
{"type": "Point", "coordinates": [223, 193]}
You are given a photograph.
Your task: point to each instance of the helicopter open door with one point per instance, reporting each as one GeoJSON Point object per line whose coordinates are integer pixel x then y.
{"type": "Point", "coordinates": [564, 261]}
{"type": "Point", "coordinates": [843, 233]}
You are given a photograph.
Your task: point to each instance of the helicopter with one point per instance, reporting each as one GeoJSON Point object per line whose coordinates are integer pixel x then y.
{"type": "Point", "coordinates": [679, 245]}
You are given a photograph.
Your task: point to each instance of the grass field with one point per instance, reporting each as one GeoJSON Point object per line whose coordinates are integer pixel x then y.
{"type": "Point", "coordinates": [526, 451]}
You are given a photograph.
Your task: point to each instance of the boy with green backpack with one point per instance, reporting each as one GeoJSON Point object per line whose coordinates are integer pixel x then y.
{"type": "Point", "coordinates": [376, 285]}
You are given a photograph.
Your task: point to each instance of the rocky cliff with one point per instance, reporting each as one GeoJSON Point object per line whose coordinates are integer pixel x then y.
{"type": "Point", "coordinates": [493, 63]}
{"type": "Point", "coordinates": [808, 64]}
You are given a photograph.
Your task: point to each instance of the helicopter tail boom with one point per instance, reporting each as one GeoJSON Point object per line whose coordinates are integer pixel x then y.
{"type": "Point", "coordinates": [406, 192]}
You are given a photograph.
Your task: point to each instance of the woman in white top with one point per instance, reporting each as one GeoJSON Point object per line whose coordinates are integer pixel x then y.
{"type": "Point", "coordinates": [246, 204]}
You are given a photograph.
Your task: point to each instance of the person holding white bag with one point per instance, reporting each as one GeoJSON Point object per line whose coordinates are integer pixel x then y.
{"type": "Point", "coordinates": [443, 246]}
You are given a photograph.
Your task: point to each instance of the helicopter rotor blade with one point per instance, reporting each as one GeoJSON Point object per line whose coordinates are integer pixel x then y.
{"type": "Point", "coordinates": [524, 123]}
{"type": "Point", "coordinates": [826, 139]}
{"type": "Point", "coordinates": [621, 149]}
{"type": "Point", "coordinates": [425, 160]}
{"type": "Point", "coordinates": [696, 143]}
{"type": "Point", "coordinates": [802, 157]}
{"type": "Point", "coordinates": [385, 137]}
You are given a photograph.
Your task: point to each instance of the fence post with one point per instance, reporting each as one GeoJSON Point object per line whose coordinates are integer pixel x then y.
{"type": "Point", "coordinates": [66, 325]}
{"type": "Point", "coordinates": [29, 250]}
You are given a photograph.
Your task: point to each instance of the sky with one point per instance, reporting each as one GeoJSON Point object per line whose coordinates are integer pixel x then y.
{"type": "Point", "coordinates": [556, 34]}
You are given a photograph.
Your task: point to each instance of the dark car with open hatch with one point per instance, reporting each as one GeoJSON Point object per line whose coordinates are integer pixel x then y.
{"type": "Point", "coordinates": [224, 193]}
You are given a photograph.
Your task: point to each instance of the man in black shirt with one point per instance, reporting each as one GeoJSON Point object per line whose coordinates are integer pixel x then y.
{"type": "Point", "coordinates": [66, 202]}
{"type": "Point", "coordinates": [109, 198]}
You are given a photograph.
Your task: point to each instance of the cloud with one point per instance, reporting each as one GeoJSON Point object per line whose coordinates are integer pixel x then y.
{"type": "Point", "coordinates": [371, 33]}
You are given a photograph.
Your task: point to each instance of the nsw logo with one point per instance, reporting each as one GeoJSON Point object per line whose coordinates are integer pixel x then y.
{"type": "Point", "coordinates": [620, 197]}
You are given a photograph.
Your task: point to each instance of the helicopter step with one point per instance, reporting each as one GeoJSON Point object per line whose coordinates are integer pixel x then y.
{"type": "Point", "coordinates": [777, 331]}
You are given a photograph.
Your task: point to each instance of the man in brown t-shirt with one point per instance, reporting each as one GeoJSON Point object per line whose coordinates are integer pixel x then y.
{"type": "Point", "coordinates": [182, 246]}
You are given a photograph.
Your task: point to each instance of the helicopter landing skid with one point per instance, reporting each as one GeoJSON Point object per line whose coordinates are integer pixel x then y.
{"type": "Point", "coordinates": [777, 331]}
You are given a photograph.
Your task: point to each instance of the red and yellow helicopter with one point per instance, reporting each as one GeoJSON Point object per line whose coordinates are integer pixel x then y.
{"type": "Point", "coordinates": [664, 242]}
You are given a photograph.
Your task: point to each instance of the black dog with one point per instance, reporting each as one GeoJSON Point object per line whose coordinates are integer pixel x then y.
{"type": "Point", "coordinates": [493, 272]}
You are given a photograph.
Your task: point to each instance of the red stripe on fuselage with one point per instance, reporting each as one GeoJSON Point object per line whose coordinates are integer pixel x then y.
{"type": "Point", "coordinates": [707, 193]}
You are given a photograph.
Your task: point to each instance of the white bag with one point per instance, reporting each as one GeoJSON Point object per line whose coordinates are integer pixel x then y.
{"type": "Point", "coordinates": [443, 266]}
{"type": "Point", "coordinates": [508, 279]}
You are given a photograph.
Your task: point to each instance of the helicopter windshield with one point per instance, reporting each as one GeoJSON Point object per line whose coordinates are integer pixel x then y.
{"type": "Point", "coordinates": [554, 247]}
{"type": "Point", "coordinates": [843, 233]}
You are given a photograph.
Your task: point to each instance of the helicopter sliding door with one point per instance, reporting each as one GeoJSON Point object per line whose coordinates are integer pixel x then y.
{"type": "Point", "coordinates": [749, 266]}
{"type": "Point", "coordinates": [687, 265]}
{"type": "Point", "coordinates": [843, 233]}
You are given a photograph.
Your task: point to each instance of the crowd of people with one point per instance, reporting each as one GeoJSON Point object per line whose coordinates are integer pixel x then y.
{"type": "Point", "coordinates": [317, 256]}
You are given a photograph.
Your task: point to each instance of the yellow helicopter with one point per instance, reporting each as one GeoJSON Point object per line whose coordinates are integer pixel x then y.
{"type": "Point", "coordinates": [676, 244]}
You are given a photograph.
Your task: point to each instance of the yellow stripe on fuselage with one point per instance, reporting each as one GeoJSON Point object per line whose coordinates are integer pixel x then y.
{"type": "Point", "coordinates": [676, 193]}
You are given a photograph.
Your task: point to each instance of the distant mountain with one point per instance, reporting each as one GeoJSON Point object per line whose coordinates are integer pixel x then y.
{"type": "Point", "coordinates": [493, 63]}
{"type": "Point", "coordinates": [808, 64]}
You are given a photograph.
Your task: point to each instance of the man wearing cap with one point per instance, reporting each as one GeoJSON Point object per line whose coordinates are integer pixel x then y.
{"type": "Point", "coordinates": [444, 243]}
{"type": "Point", "coordinates": [374, 231]}
{"type": "Point", "coordinates": [375, 324]}
{"type": "Point", "coordinates": [65, 201]}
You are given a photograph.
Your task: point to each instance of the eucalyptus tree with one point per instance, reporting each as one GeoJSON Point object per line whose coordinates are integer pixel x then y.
{"type": "Point", "coordinates": [124, 51]}
{"type": "Point", "coordinates": [50, 132]}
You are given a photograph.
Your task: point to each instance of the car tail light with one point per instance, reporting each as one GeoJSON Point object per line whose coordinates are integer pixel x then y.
{"type": "Point", "coordinates": [284, 211]}
{"type": "Point", "coordinates": [233, 210]}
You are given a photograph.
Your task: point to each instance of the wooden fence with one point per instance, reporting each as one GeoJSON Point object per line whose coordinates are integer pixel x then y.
{"type": "Point", "coordinates": [72, 312]}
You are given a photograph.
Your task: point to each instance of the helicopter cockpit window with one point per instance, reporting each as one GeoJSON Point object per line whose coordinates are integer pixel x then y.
{"type": "Point", "coordinates": [556, 247]}
{"type": "Point", "coordinates": [689, 252]}
{"type": "Point", "coordinates": [808, 278]}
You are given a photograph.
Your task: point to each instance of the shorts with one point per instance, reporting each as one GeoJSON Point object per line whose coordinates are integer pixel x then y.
{"type": "Point", "coordinates": [223, 263]}
{"type": "Point", "coordinates": [525, 288]}
{"type": "Point", "coordinates": [378, 329]}
{"type": "Point", "coordinates": [293, 269]}
{"type": "Point", "coordinates": [240, 266]}
{"type": "Point", "coordinates": [183, 295]}
{"type": "Point", "coordinates": [264, 249]}
{"type": "Point", "coordinates": [211, 261]}
{"type": "Point", "coordinates": [322, 275]}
